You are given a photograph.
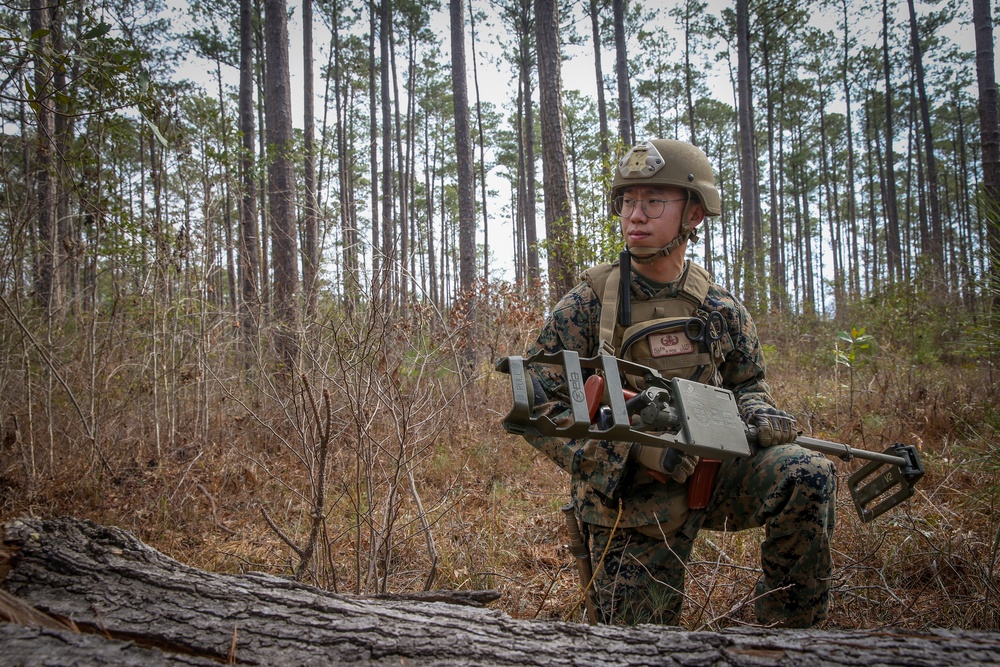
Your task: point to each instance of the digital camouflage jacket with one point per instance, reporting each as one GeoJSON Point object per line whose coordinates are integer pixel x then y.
{"type": "Point", "coordinates": [602, 472]}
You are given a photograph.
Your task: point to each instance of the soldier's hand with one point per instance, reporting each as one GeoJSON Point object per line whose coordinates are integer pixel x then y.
{"type": "Point", "coordinates": [666, 463]}
{"type": "Point", "coordinates": [685, 467]}
{"type": "Point", "coordinates": [774, 427]}
{"type": "Point", "coordinates": [540, 403]}
{"type": "Point", "coordinates": [536, 392]}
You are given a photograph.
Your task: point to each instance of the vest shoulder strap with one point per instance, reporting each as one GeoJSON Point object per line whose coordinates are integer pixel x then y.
{"type": "Point", "coordinates": [605, 280]}
{"type": "Point", "coordinates": [597, 277]}
{"type": "Point", "coordinates": [695, 284]}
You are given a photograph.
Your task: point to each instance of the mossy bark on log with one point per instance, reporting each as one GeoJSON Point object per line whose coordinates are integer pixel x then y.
{"type": "Point", "coordinates": [135, 599]}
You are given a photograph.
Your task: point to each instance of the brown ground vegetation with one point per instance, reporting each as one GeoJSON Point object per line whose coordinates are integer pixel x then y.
{"type": "Point", "coordinates": [162, 427]}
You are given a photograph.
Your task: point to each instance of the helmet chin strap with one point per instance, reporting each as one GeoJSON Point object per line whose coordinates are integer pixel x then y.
{"type": "Point", "coordinates": [644, 255]}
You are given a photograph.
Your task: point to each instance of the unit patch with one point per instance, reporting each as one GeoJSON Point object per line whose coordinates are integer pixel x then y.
{"type": "Point", "coordinates": [669, 344]}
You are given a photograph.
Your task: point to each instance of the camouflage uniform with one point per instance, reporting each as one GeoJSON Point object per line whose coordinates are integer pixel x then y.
{"type": "Point", "coordinates": [785, 488]}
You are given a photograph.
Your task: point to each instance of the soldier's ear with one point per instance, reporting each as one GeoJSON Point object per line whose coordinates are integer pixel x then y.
{"type": "Point", "coordinates": [697, 214]}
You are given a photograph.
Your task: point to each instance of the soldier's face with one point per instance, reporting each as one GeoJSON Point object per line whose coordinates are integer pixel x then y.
{"type": "Point", "coordinates": [642, 227]}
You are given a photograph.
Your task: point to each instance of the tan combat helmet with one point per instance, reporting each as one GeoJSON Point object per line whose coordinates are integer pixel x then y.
{"type": "Point", "coordinates": [667, 162]}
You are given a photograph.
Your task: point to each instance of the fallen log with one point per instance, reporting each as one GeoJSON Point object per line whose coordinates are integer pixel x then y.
{"type": "Point", "coordinates": [136, 606]}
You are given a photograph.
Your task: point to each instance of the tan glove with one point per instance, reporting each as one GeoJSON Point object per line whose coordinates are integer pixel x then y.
{"type": "Point", "coordinates": [774, 427]}
{"type": "Point", "coordinates": [672, 463]}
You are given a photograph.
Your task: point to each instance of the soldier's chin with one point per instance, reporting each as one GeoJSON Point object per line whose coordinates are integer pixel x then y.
{"type": "Point", "coordinates": [643, 252]}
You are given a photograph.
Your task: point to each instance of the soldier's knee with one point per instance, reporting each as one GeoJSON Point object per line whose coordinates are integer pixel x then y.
{"type": "Point", "coordinates": [805, 468]}
{"type": "Point", "coordinates": [814, 482]}
{"type": "Point", "coordinates": [819, 473]}
{"type": "Point", "coordinates": [806, 492]}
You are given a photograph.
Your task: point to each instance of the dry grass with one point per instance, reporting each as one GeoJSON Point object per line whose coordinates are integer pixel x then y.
{"type": "Point", "coordinates": [192, 466]}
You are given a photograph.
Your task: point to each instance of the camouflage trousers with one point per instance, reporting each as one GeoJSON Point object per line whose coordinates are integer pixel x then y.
{"type": "Point", "coordinates": [788, 490]}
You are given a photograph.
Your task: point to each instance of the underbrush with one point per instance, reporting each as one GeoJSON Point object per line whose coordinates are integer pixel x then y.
{"type": "Point", "coordinates": [383, 467]}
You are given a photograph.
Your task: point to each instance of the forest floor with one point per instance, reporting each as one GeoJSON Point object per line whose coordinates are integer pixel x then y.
{"type": "Point", "coordinates": [422, 487]}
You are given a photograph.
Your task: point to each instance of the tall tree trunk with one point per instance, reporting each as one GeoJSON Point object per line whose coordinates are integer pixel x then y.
{"type": "Point", "coordinates": [446, 242]}
{"type": "Point", "coordinates": [691, 9]}
{"type": "Point", "coordinates": [782, 173]}
{"type": "Point", "coordinates": [429, 177]}
{"type": "Point", "coordinates": [388, 241]}
{"type": "Point", "coordinates": [914, 160]}
{"type": "Point", "coordinates": [893, 248]}
{"type": "Point", "coordinates": [521, 187]}
{"type": "Point", "coordinates": [463, 151]}
{"type": "Point", "coordinates": [162, 284]}
{"type": "Point", "coordinates": [414, 252]}
{"type": "Point", "coordinates": [937, 228]}
{"type": "Point", "coordinates": [466, 174]}
{"type": "Point", "coordinates": [851, 186]}
{"type": "Point", "coordinates": [558, 216]}
{"type": "Point", "coordinates": [968, 260]}
{"type": "Point", "coordinates": [621, 70]}
{"type": "Point", "coordinates": [482, 149]}
{"type": "Point", "coordinates": [227, 212]}
{"type": "Point", "coordinates": [373, 12]}
{"type": "Point", "coordinates": [777, 283]}
{"type": "Point", "coordinates": [262, 194]}
{"type": "Point", "coordinates": [281, 183]}
{"type": "Point", "coordinates": [68, 231]}
{"type": "Point", "coordinates": [809, 271]}
{"type": "Point", "coordinates": [310, 255]}
{"type": "Point", "coordinates": [829, 183]}
{"type": "Point", "coordinates": [46, 255]}
{"type": "Point", "coordinates": [989, 128]}
{"type": "Point", "coordinates": [212, 277]}
{"type": "Point", "coordinates": [877, 164]}
{"type": "Point", "coordinates": [400, 223]}
{"type": "Point", "coordinates": [528, 169]}
{"type": "Point", "coordinates": [602, 106]}
{"type": "Point", "coordinates": [748, 172]}
{"type": "Point", "coordinates": [249, 253]}
{"type": "Point", "coordinates": [348, 226]}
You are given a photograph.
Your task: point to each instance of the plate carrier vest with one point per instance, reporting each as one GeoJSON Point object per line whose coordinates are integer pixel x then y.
{"type": "Point", "coordinates": [656, 337]}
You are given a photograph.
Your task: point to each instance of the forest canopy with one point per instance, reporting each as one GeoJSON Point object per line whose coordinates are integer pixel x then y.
{"type": "Point", "coordinates": [149, 156]}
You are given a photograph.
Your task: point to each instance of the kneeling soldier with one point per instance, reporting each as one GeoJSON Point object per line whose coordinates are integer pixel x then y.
{"type": "Point", "coordinates": [662, 190]}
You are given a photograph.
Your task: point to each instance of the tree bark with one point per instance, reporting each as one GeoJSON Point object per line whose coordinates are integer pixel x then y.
{"type": "Point", "coordinates": [482, 149]}
{"type": "Point", "coordinates": [388, 249]}
{"type": "Point", "coordinates": [893, 247]}
{"type": "Point", "coordinates": [68, 232]}
{"type": "Point", "coordinates": [937, 229]}
{"type": "Point", "coordinates": [400, 223]}
{"type": "Point", "coordinates": [135, 606]}
{"type": "Point", "coordinates": [227, 213]}
{"type": "Point", "coordinates": [249, 247]}
{"type": "Point", "coordinates": [748, 174]}
{"type": "Point", "coordinates": [528, 144]}
{"type": "Point", "coordinates": [778, 279]}
{"type": "Point", "coordinates": [47, 257]}
{"type": "Point", "coordinates": [602, 107]}
{"type": "Point", "coordinates": [852, 286]}
{"type": "Point", "coordinates": [348, 207]}
{"type": "Point", "coordinates": [463, 152]}
{"type": "Point", "coordinates": [373, 144]}
{"type": "Point", "coordinates": [989, 127]}
{"type": "Point", "coordinates": [310, 256]}
{"type": "Point", "coordinates": [621, 70]}
{"type": "Point", "coordinates": [688, 15]}
{"type": "Point", "coordinates": [558, 217]}
{"type": "Point", "coordinates": [281, 183]}
{"type": "Point", "coordinates": [260, 73]}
